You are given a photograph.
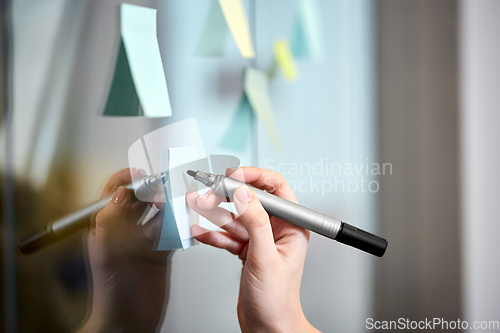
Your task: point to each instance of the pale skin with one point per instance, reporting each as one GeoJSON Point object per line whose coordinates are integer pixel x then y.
{"type": "Point", "coordinates": [130, 281]}
{"type": "Point", "coordinates": [272, 252]}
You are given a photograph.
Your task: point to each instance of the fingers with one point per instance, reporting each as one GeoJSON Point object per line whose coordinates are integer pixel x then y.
{"type": "Point", "coordinates": [276, 184]}
{"type": "Point", "coordinates": [255, 219]}
{"type": "Point", "coordinates": [270, 181]}
{"type": "Point", "coordinates": [219, 216]}
{"type": "Point", "coordinates": [111, 217]}
{"type": "Point", "coordinates": [221, 240]}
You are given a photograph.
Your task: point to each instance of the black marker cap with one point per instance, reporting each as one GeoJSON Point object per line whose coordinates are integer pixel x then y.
{"type": "Point", "coordinates": [362, 240]}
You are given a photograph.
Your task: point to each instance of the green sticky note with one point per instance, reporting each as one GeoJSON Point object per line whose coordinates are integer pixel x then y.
{"type": "Point", "coordinates": [122, 98]}
{"type": "Point", "coordinates": [256, 89]}
{"type": "Point", "coordinates": [307, 38]}
{"type": "Point", "coordinates": [138, 29]}
{"type": "Point", "coordinates": [213, 37]}
{"type": "Point", "coordinates": [271, 70]}
{"type": "Point", "coordinates": [238, 133]}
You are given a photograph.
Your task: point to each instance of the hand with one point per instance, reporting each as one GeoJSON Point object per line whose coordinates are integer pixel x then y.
{"type": "Point", "coordinates": [130, 288]}
{"type": "Point", "coordinates": [272, 251]}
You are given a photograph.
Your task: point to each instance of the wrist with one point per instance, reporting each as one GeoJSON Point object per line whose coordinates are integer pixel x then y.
{"type": "Point", "coordinates": [291, 323]}
{"type": "Point", "coordinates": [300, 325]}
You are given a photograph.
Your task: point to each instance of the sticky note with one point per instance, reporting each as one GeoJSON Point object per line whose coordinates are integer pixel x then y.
{"type": "Point", "coordinates": [177, 158]}
{"type": "Point", "coordinates": [307, 38]}
{"type": "Point", "coordinates": [122, 97]}
{"type": "Point", "coordinates": [256, 89]}
{"type": "Point", "coordinates": [167, 237]}
{"type": "Point", "coordinates": [173, 148]}
{"type": "Point", "coordinates": [271, 70]}
{"type": "Point", "coordinates": [213, 37]}
{"type": "Point", "coordinates": [237, 21]}
{"type": "Point", "coordinates": [240, 128]}
{"type": "Point", "coordinates": [138, 29]}
{"type": "Point", "coordinates": [285, 60]}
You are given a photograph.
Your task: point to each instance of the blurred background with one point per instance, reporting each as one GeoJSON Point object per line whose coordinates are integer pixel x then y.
{"type": "Point", "coordinates": [412, 84]}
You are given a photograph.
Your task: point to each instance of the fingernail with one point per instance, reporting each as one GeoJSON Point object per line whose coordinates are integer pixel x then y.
{"type": "Point", "coordinates": [204, 195]}
{"type": "Point", "coordinates": [119, 195]}
{"type": "Point", "coordinates": [230, 171]}
{"type": "Point", "coordinates": [244, 194]}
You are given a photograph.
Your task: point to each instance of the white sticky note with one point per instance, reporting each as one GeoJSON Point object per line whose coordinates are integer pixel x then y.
{"type": "Point", "coordinates": [236, 19]}
{"type": "Point", "coordinates": [256, 89]}
{"type": "Point", "coordinates": [183, 217]}
{"type": "Point", "coordinates": [138, 28]}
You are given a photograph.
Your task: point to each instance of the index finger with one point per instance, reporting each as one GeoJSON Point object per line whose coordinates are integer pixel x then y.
{"type": "Point", "coordinates": [270, 181]}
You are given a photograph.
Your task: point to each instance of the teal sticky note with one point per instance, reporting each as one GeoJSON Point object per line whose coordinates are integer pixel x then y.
{"type": "Point", "coordinates": [122, 98]}
{"type": "Point", "coordinates": [169, 238]}
{"type": "Point", "coordinates": [239, 131]}
{"type": "Point", "coordinates": [213, 37]}
{"type": "Point", "coordinates": [307, 37]}
{"type": "Point", "coordinates": [298, 43]}
{"type": "Point", "coordinates": [138, 29]}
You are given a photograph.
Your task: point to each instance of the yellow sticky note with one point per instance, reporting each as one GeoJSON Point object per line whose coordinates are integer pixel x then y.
{"type": "Point", "coordinates": [256, 89]}
{"type": "Point", "coordinates": [285, 59]}
{"type": "Point", "coordinates": [237, 21]}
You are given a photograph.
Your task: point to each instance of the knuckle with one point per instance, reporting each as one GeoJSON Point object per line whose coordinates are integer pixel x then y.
{"type": "Point", "coordinates": [256, 216]}
{"type": "Point", "coordinates": [278, 176]}
{"type": "Point", "coordinates": [102, 218]}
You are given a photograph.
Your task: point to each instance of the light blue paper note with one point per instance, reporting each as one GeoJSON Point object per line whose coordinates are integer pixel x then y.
{"type": "Point", "coordinates": [238, 133]}
{"type": "Point", "coordinates": [180, 182]}
{"type": "Point", "coordinates": [307, 40]}
{"type": "Point", "coordinates": [256, 89]}
{"type": "Point", "coordinates": [213, 37]}
{"type": "Point", "coordinates": [138, 28]}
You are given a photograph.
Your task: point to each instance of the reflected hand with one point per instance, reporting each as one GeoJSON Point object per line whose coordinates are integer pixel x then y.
{"type": "Point", "coordinates": [129, 278]}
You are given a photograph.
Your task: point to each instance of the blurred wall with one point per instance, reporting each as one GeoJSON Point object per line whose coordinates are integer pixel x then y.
{"type": "Point", "coordinates": [420, 276]}
{"type": "Point", "coordinates": [480, 158]}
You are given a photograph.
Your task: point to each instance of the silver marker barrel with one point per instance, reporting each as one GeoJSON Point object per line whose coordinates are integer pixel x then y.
{"type": "Point", "coordinates": [80, 219]}
{"type": "Point", "coordinates": [298, 215]}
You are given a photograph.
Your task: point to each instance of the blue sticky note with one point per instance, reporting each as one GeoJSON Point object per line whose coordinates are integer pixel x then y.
{"type": "Point", "coordinates": [138, 28]}
{"type": "Point", "coordinates": [122, 97]}
{"type": "Point", "coordinates": [213, 37]}
{"type": "Point", "coordinates": [239, 131]}
{"type": "Point", "coordinates": [307, 38]}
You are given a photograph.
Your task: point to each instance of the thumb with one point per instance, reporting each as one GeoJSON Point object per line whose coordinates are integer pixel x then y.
{"type": "Point", "coordinates": [256, 221]}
